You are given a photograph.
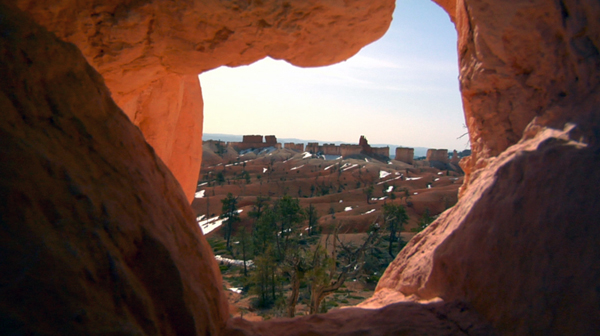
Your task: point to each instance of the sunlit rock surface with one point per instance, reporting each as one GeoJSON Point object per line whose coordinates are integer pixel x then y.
{"type": "Point", "coordinates": [147, 50]}
{"type": "Point", "coordinates": [96, 235]}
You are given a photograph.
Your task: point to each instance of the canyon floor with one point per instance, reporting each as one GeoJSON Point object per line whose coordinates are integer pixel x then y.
{"type": "Point", "coordinates": [347, 193]}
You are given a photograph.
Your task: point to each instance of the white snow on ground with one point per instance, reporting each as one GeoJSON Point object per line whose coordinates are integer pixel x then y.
{"type": "Point", "coordinates": [374, 199]}
{"type": "Point", "coordinates": [348, 208]}
{"type": "Point", "coordinates": [201, 184]}
{"type": "Point", "coordinates": [265, 170]}
{"type": "Point", "coordinates": [368, 212]}
{"type": "Point", "coordinates": [341, 201]}
{"type": "Point", "coordinates": [382, 182]}
{"type": "Point", "coordinates": [389, 189]}
{"type": "Point", "coordinates": [366, 160]}
{"type": "Point", "coordinates": [429, 186]}
{"type": "Point", "coordinates": [437, 179]}
{"type": "Point", "coordinates": [331, 157]}
{"type": "Point", "coordinates": [235, 262]}
{"type": "Point", "coordinates": [348, 168]}
{"type": "Point", "coordinates": [416, 193]}
{"type": "Point", "coordinates": [440, 173]}
{"type": "Point", "coordinates": [383, 174]}
{"type": "Point", "coordinates": [396, 173]}
{"type": "Point", "coordinates": [382, 198]}
{"type": "Point", "coordinates": [199, 194]}
{"type": "Point", "coordinates": [210, 224]}
{"type": "Point", "coordinates": [328, 167]}
{"type": "Point", "coordinates": [413, 178]}
{"type": "Point", "coordinates": [297, 167]}
{"type": "Point", "coordinates": [236, 290]}
{"type": "Point", "coordinates": [267, 150]}
{"type": "Point", "coordinates": [306, 155]}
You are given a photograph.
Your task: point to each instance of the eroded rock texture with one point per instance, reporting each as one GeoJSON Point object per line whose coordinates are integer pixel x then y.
{"type": "Point", "coordinates": [522, 243]}
{"type": "Point", "coordinates": [96, 236]}
{"type": "Point", "coordinates": [146, 49]}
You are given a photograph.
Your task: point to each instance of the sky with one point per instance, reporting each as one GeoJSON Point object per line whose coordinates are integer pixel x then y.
{"type": "Point", "coordinates": [401, 89]}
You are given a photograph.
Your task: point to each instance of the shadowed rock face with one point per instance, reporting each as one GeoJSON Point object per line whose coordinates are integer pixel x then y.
{"type": "Point", "coordinates": [97, 235]}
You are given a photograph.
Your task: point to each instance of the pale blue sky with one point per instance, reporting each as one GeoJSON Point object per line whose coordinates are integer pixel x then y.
{"type": "Point", "coordinates": [401, 90]}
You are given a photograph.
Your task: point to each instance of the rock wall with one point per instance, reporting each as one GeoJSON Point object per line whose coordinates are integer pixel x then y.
{"type": "Point", "coordinates": [97, 235]}
{"type": "Point", "coordinates": [521, 242]}
{"type": "Point", "coordinates": [440, 155]}
{"type": "Point", "coordinates": [298, 147]}
{"type": "Point", "coordinates": [270, 139]}
{"type": "Point", "coordinates": [384, 151]}
{"type": "Point", "coordinates": [346, 150]}
{"type": "Point", "coordinates": [405, 155]}
{"type": "Point", "coordinates": [253, 139]}
{"type": "Point", "coordinates": [145, 50]}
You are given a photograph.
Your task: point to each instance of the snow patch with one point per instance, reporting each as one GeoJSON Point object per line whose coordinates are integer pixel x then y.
{"type": "Point", "coordinates": [348, 168]}
{"type": "Point", "coordinates": [383, 174]}
{"type": "Point", "coordinates": [201, 184]}
{"type": "Point", "coordinates": [348, 208]}
{"type": "Point", "coordinates": [297, 167]}
{"type": "Point", "coordinates": [199, 194]}
{"type": "Point", "coordinates": [208, 225]}
{"type": "Point", "coordinates": [416, 193]}
{"type": "Point", "coordinates": [328, 167]}
{"type": "Point", "coordinates": [440, 173]}
{"type": "Point", "coordinates": [368, 212]}
{"type": "Point", "coordinates": [437, 179]}
{"type": "Point", "coordinates": [413, 178]}
{"type": "Point", "coordinates": [265, 170]}
{"type": "Point", "coordinates": [306, 155]}
{"type": "Point", "coordinates": [236, 290]}
{"type": "Point", "coordinates": [341, 201]}
{"type": "Point", "coordinates": [234, 262]}
{"type": "Point", "coordinates": [389, 189]}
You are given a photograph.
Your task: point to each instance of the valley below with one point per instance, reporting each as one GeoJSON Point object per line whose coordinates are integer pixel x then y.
{"type": "Point", "coordinates": [346, 196]}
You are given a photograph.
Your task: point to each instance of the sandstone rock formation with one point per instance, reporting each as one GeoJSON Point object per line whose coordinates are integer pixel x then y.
{"type": "Point", "coordinates": [440, 155]}
{"type": "Point", "coordinates": [406, 155]}
{"type": "Point", "coordinates": [96, 237]}
{"type": "Point", "coordinates": [521, 243]}
{"type": "Point", "coordinates": [150, 52]}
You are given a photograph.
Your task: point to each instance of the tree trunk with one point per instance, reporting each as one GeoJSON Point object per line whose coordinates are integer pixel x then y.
{"type": "Point", "coordinates": [293, 299]}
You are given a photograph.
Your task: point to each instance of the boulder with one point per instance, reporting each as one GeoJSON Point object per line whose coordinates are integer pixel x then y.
{"type": "Point", "coordinates": [97, 236]}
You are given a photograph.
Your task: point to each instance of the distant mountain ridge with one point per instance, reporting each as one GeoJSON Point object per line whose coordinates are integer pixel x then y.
{"type": "Point", "coordinates": [419, 151]}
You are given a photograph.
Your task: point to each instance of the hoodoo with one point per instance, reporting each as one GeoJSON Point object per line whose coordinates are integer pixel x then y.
{"type": "Point", "coordinates": [97, 233]}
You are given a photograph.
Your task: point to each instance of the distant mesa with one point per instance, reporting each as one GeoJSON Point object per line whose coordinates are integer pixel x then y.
{"type": "Point", "coordinates": [255, 142]}
{"type": "Point", "coordinates": [346, 150]}
{"type": "Point", "coordinates": [406, 155]}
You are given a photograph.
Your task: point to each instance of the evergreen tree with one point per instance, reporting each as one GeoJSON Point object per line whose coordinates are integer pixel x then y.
{"type": "Point", "coordinates": [312, 217]}
{"type": "Point", "coordinates": [395, 217]}
{"type": "Point", "coordinates": [229, 211]}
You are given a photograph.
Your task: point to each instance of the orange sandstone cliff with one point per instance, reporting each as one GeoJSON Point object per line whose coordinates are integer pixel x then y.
{"type": "Point", "coordinates": [98, 236]}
